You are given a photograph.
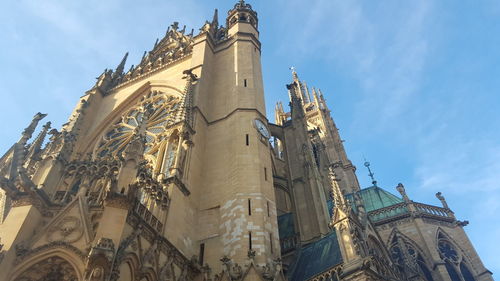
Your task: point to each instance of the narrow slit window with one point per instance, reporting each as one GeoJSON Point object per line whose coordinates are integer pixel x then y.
{"type": "Point", "coordinates": [265, 173]}
{"type": "Point", "coordinates": [245, 82]}
{"type": "Point", "coordinates": [268, 212]}
{"type": "Point", "coordinates": [249, 240]}
{"type": "Point", "coordinates": [249, 207]}
{"type": "Point", "coordinates": [271, 242]}
{"type": "Point", "coordinates": [202, 253]}
{"type": "Point", "coordinates": [248, 141]}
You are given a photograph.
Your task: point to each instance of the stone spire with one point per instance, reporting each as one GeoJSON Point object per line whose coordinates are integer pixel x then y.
{"type": "Point", "coordinates": [187, 99]}
{"type": "Point", "coordinates": [294, 73]}
{"type": "Point", "coordinates": [28, 132]}
{"type": "Point", "coordinates": [215, 19]}
{"type": "Point", "coordinates": [337, 195]}
{"type": "Point", "coordinates": [121, 66]}
{"type": "Point", "coordinates": [297, 110]}
{"type": "Point", "coordinates": [36, 146]}
{"type": "Point", "coordinates": [19, 149]}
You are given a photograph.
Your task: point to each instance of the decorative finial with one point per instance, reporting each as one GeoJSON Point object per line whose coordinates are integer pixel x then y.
{"type": "Point", "coordinates": [370, 173]}
{"type": "Point", "coordinates": [28, 132]}
{"type": "Point", "coordinates": [443, 201]}
{"type": "Point", "coordinates": [120, 67]}
{"type": "Point", "coordinates": [215, 19]}
{"type": "Point", "coordinates": [175, 26]}
{"type": "Point", "coordinates": [294, 73]}
{"type": "Point", "coordinates": [336, 192]}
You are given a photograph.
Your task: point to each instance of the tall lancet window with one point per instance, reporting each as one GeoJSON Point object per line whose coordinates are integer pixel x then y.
{"type": "Point", "coordinates": [454, 260]}
{"type": "Point", "coordinates": [409, 259]}
{"type": "Point", "coordinates": [170, 155]}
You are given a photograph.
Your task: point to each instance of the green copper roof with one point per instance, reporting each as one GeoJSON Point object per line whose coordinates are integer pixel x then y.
{"type": "Point", "coordinates": [376, 198]}
{"type": "Point", "coordinates": [317, 257]}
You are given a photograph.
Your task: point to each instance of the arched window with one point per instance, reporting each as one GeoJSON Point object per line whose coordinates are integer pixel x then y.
{"type": "Point", "coordinates": [466, 272]}
{"type": "Point", "coordinates": [452, 272]}
{"type": "Point", "coordinates": [454, 260]}
{"type": "Point", "coordinates": [170, 155]}
{"type": "Point", "coordinates": [408, 258]}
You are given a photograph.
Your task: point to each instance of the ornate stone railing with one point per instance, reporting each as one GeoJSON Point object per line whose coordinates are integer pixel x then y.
{"type": "Point", "coordinates": [332, 274]}
{"type": "Point", "coordinates": [424, 209]}
{"type": "Point", "coordinates": [407, 209]}
{"type": "Point", "coordinates": [393, 211]}
{"type": "Point", "coordinates": [147, 216]}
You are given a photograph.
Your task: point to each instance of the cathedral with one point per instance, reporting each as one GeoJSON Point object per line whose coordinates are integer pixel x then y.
{"type": "Point", "coordinates": [171, 171]}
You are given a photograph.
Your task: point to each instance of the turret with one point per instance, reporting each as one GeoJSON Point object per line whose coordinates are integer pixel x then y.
{"type": "Point", "coordinates": [242, 19]}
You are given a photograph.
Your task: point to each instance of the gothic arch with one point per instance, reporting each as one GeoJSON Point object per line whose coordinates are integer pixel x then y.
{"type": "Point", "coordinates": [396, 231]}
{"type": "Point", "coordinates": [168, 153]}
{"type": "Point", "coordinates": [375, 243]}
{"type": "Point", "coordinates": [408, 256]}
{"type": "Point", "coordinates": [456, 260]}
{"type": "Point", "coordinates": [156, 85]}
{"type": "Point", "coordinates": [128, 268]}
{"type": "Point", "coordinates": [67, 263]}
{"type": "Point", "coordinates": [148, 274]}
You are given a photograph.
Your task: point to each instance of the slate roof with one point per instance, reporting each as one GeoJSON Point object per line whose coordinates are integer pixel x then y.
{"type": "Point", "coordinates": [317, 257]}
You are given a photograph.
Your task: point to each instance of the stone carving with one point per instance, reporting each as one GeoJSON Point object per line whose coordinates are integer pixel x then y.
{"type": "Point", "coordinates": [28, 132]}
{"type": "Point", "coordinates": [52, 268]}
{"type": "Point", "coordinates": [402, 191]}
{"type": "Point", "coordinates": [99, 260]}
{"type": "Point", "coordinates": [173, 47]}
{"type": "Point", "coordinates": [443, 201]}
{"type": "Point", "coordinates": [121, 252]}
{"type": "Point", "coordinates": [68, 230]}
{"type": "Point", "coordinates": [233, 269]}
{"type": "Point", "coordinates": [167, 271]}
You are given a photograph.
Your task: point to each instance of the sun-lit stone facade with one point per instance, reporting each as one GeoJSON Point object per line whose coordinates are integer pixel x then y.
{"type": "Point", "coordinates": [171, 171]}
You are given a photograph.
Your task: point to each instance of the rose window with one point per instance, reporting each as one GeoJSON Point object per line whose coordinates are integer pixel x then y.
{"type": "Point", "coordinates": [152, 117]}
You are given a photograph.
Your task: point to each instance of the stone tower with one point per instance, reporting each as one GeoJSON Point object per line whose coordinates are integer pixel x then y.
{"type": "Point", "coordinates": [170, 171]}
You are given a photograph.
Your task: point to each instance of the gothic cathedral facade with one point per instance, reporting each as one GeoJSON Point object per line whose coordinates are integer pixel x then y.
{"type": "Point", "coordinates": [170, 171]}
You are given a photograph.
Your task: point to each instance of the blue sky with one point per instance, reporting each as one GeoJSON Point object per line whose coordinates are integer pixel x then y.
{"type": "Point", "coordinates": [413, 85]}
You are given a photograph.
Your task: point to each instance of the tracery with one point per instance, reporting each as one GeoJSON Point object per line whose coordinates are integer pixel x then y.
{"type": "Point", "coordinates": [152, 118]}
{"type": "Point", "coordinates": [455, 262]}
{"type": "Point", "coordinates": [409, 259]}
